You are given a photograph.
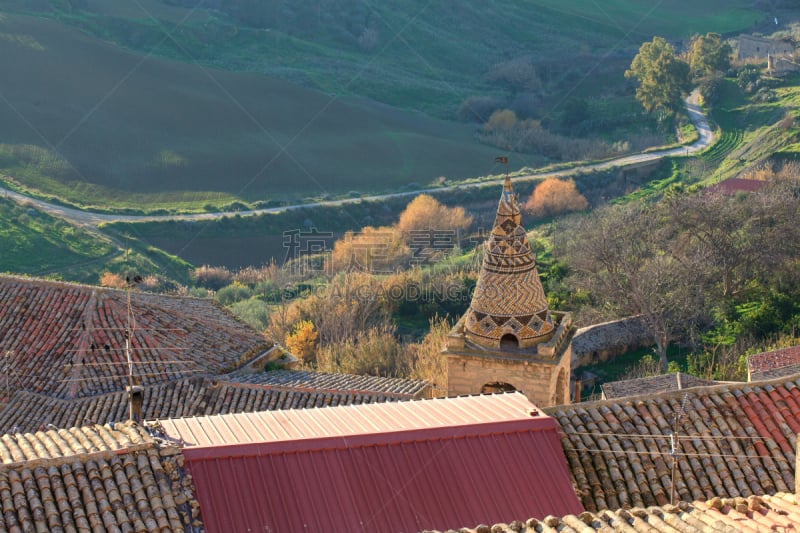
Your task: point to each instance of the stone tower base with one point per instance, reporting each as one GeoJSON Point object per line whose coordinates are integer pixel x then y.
{"type": "Point", "coordinates": [541, 372]}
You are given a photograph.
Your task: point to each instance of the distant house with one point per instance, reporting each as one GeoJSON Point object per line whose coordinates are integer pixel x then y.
{"type": "Point", "coordinates": [757, 47]}
{"type": "Point", "coordinates": [774, 364]}
{"type": "Point", "coordinates": [778, 53]}
{"type": "Point", "coordinates": [399, 467]}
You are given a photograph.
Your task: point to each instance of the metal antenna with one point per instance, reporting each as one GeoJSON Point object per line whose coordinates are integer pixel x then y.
{"type": "Point", "coordinates": [135, 393]}
{"type": "Point", "coordinates": [673, 440]}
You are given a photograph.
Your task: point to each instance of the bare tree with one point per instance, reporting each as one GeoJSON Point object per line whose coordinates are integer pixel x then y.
{"type": "Point", "coordinates": [620, 256]}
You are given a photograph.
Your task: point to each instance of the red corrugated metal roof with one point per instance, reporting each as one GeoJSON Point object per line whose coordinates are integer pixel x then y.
{"type": "Point", "coordinates": [274, 426]}
{"type": "Point", "coordinates": [384, 467]}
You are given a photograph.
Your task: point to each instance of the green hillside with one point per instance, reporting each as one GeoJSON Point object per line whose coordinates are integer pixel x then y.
{"type": "Point", "coordinates": [37, 244]}
{"type": "Point", "coordinates": [152, 106]}
{"type": "Point", "coordinates": [407, 53]}
{"type": "Point", "coordinates": [94, 124]}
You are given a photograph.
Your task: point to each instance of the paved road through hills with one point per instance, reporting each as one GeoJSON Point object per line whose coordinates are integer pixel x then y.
{"type": "Point", "coordinates": [700, 121]}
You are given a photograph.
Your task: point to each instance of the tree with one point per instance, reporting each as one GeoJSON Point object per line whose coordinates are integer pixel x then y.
{"type": "Point", "coordinates": [663, 78]}
{"type": "Point", "coordinates": [502, 119]}
{"type": "Point", "coordinates": [375, 351]}
{"type": "Point", "coordinates": [709, 54]}
{"type": "Point", "coordinates": [431, 229]}
{"type": "Point", "coordinates": [427, 361]}
{"type": "Point", "coordinates": [212, 277]}
{"type": "Point", "coordinates": [516, 75]}
{"type": "Point", "coordinates": [302, 341]}
{"type": "Point", "coordinates": [425, 212]}
{"type": "Point", "coordinates": [576, 110]}
{"type": "Point", "coordinates": [381, 249]}
{"type": "Point", "coordinates": [554, 197]}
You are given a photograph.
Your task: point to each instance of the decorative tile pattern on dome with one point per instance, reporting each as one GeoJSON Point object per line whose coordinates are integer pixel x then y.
{"type": "Point", "coordinates": [509, 297]}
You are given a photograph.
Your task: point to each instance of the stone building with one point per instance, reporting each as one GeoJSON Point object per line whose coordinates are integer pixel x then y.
{"type": "Point", "coordinates": [756, 47]}
{"type": "Point", "coordinates": [509, 339]}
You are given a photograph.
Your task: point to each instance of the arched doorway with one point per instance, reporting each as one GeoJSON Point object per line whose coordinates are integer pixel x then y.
{"type": "Point", "coordinates": [497, 386]}
{"type": "Point", "coordinates": [509, 340]}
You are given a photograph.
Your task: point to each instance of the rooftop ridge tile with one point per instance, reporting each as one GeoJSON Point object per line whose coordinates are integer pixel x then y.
{"type": "Point", "coordinates": [753, 514]}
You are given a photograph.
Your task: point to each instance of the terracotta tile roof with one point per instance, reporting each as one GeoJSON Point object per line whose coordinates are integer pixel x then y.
{"type": "Point", "coordinates": [98, 478]}
{"type": "Point", "coordinates": [780, 512]}
{"type": "Point", "coordinates": [68, 340]}
{"type": "Point", "coordinates": [54, 444]}
{"type": "Point", "coordinates": [185, 397]}
{"type": "Point", "coordinates": [734, 185]}
{"type": "Point", "coordinates": [652, 385]}
{"type": "Point", "coordinates": [734, 440]}
{"type": "Point", "coordinates": [325, 382]}
{"type": "Point", "coordinates": [774, 364]}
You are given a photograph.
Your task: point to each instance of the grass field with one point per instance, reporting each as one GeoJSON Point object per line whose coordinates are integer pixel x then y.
{"type": "Point", "coordinates": [37, 244]}
{"type": "Point", "coordinates": [153, 107]}
{"type": "Point", "coordinates": [753, 132]}
{"type": "Point", "coordinates": [96, 125]}
{"type": "Point", "coordinates": [427, 55]}
{"type": "Point", "coordinates": [677, 18]}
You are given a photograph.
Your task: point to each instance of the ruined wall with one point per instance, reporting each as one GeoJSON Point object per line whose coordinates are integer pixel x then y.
{"type": "Point", "coordinates": [600, 342]}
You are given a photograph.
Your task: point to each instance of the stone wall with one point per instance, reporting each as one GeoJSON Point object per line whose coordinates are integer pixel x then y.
{"type": "Point", "coordinates": [780, 66]}
{"type": "Point", "coordinates": [600, 342]}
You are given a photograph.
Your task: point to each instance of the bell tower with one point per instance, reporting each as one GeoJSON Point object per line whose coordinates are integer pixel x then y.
{"type": "Point", "coordinates": [509, 339]}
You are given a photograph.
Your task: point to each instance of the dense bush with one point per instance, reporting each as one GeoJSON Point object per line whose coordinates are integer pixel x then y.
{"type": "Point", "coordinates": [504, 130]}
{"type": "Point", "coordinates": [710, 88]}
{"type": "Point", "coordinates": [213, 278]}
{"type": "Point", "coordinates": [555, 197]}
{"type": "Point", "coordinates": [233, 293]}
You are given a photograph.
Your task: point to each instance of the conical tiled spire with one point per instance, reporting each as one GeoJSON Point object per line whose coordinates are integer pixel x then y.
{"type": "Point", "coordinates": [509, 302]}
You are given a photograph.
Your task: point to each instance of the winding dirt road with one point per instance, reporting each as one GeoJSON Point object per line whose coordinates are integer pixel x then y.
{"type": "Point", "coordinates": [86, 218]}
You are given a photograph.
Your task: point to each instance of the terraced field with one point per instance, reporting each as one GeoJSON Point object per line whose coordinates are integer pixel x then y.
{"type": "Point", "coordinates": [728, 142]}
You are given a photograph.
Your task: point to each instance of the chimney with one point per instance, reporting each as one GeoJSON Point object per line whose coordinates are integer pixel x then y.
{"type": "Point", "coordinates": [577, 394]}
{"type": "Point", "coordinates": [135, 401]}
